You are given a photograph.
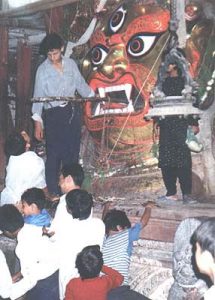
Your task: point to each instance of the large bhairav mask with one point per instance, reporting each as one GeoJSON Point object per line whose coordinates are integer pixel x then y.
{"type": "Point", "coordinates": [122, 66]}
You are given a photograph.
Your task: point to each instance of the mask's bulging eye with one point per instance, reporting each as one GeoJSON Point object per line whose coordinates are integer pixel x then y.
{"type": "Point", "coordinates": [140, 44]}
{"type": "Point", "coordinates": [117, 20]}
{"type": "Point", "coordinates": [98, 54]}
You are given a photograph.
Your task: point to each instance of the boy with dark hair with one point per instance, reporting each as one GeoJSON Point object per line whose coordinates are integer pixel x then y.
{"type": "Point", "coordinates": [118, 244]}
{"type": "Point", "coordinates": [25, 169]}
{"type": "Point", "coordinates": [204, 241]}
{"type": "Point", "coordinates": [37, 254]}
{"type": "Point", "coordinates": [15, 145]}
{"type": "Point", "coordinates": [83, 230]}
{"type": "Point", "coordinates": [89, 285]}
{"type": "Point", "coordinates": [71, 177]}
{"type": "Point", "coordinates": [79, 204]}
{"type": "Point", "coordinates": [58, 76]}
{"type": "Point", "coordinates": [115, 219]}
{"type": "Point", "coordinates": [33, 203]}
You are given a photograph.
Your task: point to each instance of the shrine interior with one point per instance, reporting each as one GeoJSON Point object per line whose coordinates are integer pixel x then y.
{"type": "Point", "coordinates": [137, 39]}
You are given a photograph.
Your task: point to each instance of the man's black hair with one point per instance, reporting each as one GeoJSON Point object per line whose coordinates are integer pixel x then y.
{"type": "Point", "coordinates": [205, 236]}
{"type": "Point", "coordinates": [76, 171]}
{"type": "Point", "coordinates": [10, 218]}
{"type": "Point", "coordinates": [79, 204]}
{"type": "Point", "coordinates": [50, 42]}
{"type": "Point", "coordinates": [115, 218]}
{"type": "Point", "coordinates": [89, 262]}
{"type": "Point", "coordinates": [36, 196]}
{"type": "Point", "coordinates": [15, 144]}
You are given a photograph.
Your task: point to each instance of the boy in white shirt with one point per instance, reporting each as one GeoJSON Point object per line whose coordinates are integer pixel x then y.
{"type": "Point", "coordinates": [37, 254]}
{"type": "Point", "coordinates": [84, 230]}
{"type": "Point", "coordinates": [25, 169]}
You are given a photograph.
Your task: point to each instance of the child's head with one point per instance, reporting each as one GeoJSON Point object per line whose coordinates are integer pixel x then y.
{"type": "Point", "coordinates": [116, 220]}
{"type": "Point", "coordinates": [204, 240]}
{"type": "Point", "coordinates": [89, 262]}
{"type": "Point", "coordinates": [71, 176]}
{"type": "Point", "coordinates": [11, 220]}
{"type": "Point", "coordinates": [15, 144]}
{"type": "Point", "coordinates": [33, 201]}
{"type": "Point", "coordinates": [79, 204]}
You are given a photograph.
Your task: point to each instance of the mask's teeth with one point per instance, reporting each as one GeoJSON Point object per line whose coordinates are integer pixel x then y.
{"type": "Point", "coordinates": [128, 88]}
{"type": "Point", "coordinates": [101, 92]}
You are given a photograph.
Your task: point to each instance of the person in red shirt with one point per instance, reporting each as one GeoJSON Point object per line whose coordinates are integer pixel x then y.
{"type": "Point", "coordinates": [90, 285]}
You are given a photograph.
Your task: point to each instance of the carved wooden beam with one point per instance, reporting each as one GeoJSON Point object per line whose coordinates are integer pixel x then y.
{"type": "Point", "coordinates": [34, 8]}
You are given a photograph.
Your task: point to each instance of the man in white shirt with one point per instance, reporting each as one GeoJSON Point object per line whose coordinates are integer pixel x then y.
{"type": "Point", "coordinates": [37, 254]}
{"type": "Point", "coordinates": [58, 76]}
{"type": "Point", "coordinates": [71, 177]}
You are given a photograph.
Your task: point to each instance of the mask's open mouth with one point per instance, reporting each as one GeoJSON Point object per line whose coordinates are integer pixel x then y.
{"type": "Point", "coordinates": [121, 99]}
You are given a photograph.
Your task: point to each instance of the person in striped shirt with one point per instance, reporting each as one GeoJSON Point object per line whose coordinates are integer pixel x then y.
{"type": "Point", "coordinates": [118, 244]}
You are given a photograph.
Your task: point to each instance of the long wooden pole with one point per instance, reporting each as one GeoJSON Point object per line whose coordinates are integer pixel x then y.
{"type": "Point", "coordinates": [3, 80]}
{"type": "Point", "coordinates": [23, 108]}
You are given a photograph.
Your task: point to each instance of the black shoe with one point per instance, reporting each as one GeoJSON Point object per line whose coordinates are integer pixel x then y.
{"type": "Point", "coordinates": [187, 199]}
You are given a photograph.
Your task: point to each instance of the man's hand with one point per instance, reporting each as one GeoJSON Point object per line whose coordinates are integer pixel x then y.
{"type": "Point", "coordinates": [17, 277]}
{"type": "Point", "coordinates": [108, 205]}
{"type": "Point", "coordinates": [38, 130]}
{"type": "Point", "coordinates": [47, 232]}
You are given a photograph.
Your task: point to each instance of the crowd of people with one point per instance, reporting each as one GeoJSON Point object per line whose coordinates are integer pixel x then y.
{"type": "Point", "coordinates": [62, 257]}
{"type": "Point", "coordinates": [73, 255]}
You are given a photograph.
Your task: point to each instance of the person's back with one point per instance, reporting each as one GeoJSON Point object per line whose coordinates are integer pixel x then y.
{"type": "Point", "coordinates": [117, 247]}
{"type": "Point", "coordinates": [25, 169]}
{"type": "Point", "coordinates": [90, 285]}
{"type": "Point", "coordinates": [33, 203]}
{"type": "Point", "coordinates": [83, 231]}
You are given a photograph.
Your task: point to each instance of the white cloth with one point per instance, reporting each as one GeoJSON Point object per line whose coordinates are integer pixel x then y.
{"type": "Point", "coordinates": [23, 172]}
{"type": "Point", "coordinates": [9, 289]}
{"type": "Point", "coordinates": [210, 293]}
{"type": "Point", "coordinates": [61, 219]}
{"type": "Point", "coordinates": [37, 254]}
{"type": "Point", "coordinates": [71, 241]}
{"type": "Point", "coordinates": [5, 278]}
